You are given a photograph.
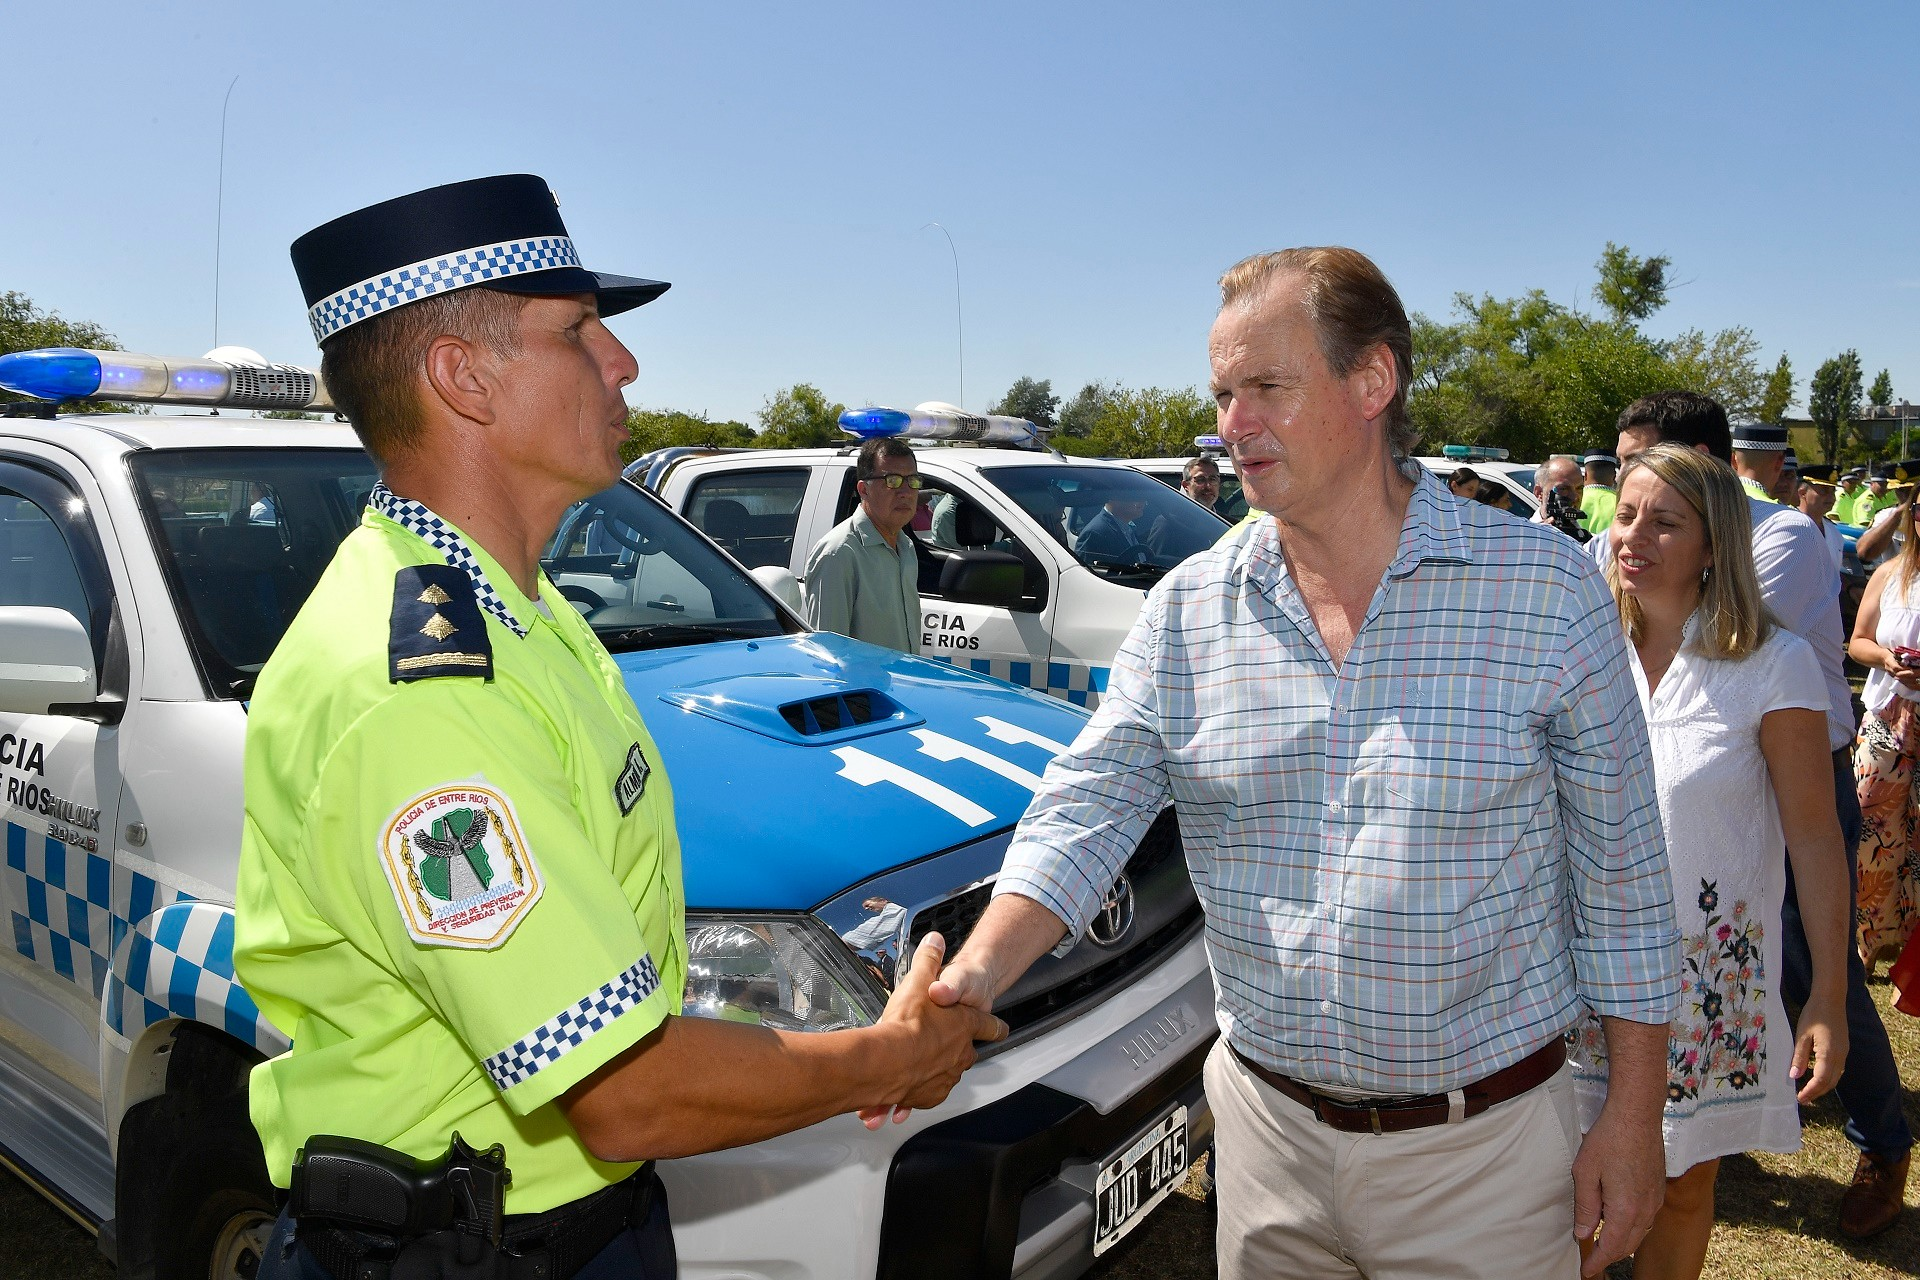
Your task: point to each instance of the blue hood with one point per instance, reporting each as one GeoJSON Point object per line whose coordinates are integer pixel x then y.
{"type": "Point", "coordinates": [802, 765]}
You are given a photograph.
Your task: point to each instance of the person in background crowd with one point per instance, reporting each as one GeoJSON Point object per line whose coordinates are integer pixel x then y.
{"type": "Point", "coordinates": [863, 576]}
{"type": "Point", "coordinates": [1464, 484]}
{"type": "Point", "coordinates": [1495, 495]}
{"type": "Point", "coordinates": [1799, 587]}
{"type": "Point", "coordinates": [1200, 480]}
{"type": "Point", "coordinates": [1882, 538]}
{"type": "Point", "coordinates": [1815, 500]}
{"type": "Point", "coordinates": [1759, 458]}
{"type": "Point", "coordinates": [1597, 496]}
{"type": "Point", "coordinates": [1878, 496]}
{"type": "Point", "coordinates": [1736, 712]}
{"type": "Point", "coordinates": [1886, 641]}
{"type": "Point", "coordinates": [1851, 486]}
{"type": "Point", "coordinates": [1114, 534]}
{"type": "Point", "coordinates": [1556, 487]}
{"type": "Point", "coordinates": [1786, 490]}
{"type": "Point", "coordinates": [1389, 1087]}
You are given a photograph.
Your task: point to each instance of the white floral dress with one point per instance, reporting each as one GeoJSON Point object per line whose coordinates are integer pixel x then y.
{"type": "Point", "coordinates": [1730, 1048]}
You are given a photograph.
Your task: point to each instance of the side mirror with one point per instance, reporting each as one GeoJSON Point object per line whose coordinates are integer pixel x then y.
{"type": "Point", "coordinates": [993, 578]}
{"type": "Point", "coordinates": [46, 660]}
{"type": "Point", "coordinates": [781, 584]}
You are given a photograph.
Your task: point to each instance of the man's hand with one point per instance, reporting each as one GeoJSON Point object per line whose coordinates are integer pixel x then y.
{"type": "Point", "coordinates": [942, 1038]}
{"type": "Point", "coordinates": [1820, 1041]}
{"type": "Point", "coordinates": [1619, 1180]}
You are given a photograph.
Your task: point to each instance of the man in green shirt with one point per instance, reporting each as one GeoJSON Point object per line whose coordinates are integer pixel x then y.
{"type": "Point", "coordinates": [459, 891]}
{"type": "Point", "coordinates": [1878, 496]}
{"type": "Point", "coordinates": [863, 577]}
{"type": "Point", "coordinates": [1759, 455]}
{"type": "Point", "coordinates": [1598, 498]}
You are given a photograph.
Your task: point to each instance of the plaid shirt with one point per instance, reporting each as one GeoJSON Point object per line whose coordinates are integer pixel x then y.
{"type": "Point", "coordinates": [1416, 865]}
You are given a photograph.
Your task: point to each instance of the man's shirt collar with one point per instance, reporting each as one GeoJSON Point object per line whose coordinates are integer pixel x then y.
{"type": "Point", "coordinates": [453, 547]}
{"type": "Point", "coordinates": [1432, 531]}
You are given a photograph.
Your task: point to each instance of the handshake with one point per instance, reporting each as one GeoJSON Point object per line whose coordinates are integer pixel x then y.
{"type": "Point", "coordinates": [932, 1022]}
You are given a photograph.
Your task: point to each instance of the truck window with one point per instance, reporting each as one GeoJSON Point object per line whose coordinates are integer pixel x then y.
{"type": "Point", "coordinates": [36, 567]}
{"type": "Point", "coordinates": [243, 535]}
{"type": "Point", "coordinates": [753, 515]}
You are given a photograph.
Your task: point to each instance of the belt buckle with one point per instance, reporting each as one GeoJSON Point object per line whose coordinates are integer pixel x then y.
{"type": "Point", "coordinates": [1373, 1114]}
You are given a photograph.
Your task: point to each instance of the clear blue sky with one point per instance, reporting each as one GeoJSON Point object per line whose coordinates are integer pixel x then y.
{"type": "Point", "coordinates": [1098, 165]}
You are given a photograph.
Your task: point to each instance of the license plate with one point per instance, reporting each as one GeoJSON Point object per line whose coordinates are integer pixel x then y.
{"type": "Point", "coordinates": [1134, 1181]}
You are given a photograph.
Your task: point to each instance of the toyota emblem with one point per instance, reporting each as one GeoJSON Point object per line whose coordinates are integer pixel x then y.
{"type": "Point", "coordinates": [1114, 921]}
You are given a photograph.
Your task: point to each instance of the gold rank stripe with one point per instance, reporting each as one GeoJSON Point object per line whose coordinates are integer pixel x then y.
{"type": "Point", "coordinates": [441, 659]}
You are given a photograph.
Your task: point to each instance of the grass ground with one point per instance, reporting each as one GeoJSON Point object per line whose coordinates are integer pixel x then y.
{"type": "Point", "coordinates": [1777, 1214]}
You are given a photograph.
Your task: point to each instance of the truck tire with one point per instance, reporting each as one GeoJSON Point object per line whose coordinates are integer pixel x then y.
{"type": "Point", "coordinates": [193, 1198]}
{"type": "Point", "coordinates": [221, 1206]}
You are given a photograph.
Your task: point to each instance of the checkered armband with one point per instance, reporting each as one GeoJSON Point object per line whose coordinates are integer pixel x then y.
{"type": "Point", "coordinates": [553, 1039]}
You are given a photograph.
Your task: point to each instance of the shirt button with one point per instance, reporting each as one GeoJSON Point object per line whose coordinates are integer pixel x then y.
{"type": "Point", "coordinates": [1333, 806]}
{"type": "Point", "coordinates": [1326, 1006]}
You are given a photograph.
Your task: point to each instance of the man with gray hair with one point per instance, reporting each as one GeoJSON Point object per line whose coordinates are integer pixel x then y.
{"type": "Point", "coordinates": [1416, 797]}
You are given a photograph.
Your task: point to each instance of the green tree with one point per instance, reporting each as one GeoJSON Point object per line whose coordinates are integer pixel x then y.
{"type": "Point", "coordinates": [1153, 422]}
{"type": "Point", "coordinates": [1775, 400]}
{"type": "Point", "coordinates": [1881, 392]}
{"type": "Point", "coordinates": [1631, 288]}
{"type": "Point", "coordinates": [24, 327]}
{"type": "Point", "coordinates": [650, 429]}
{"type": "Point", "coordinates": [1833, 400]}
{"type": "Point", "coordinates": [1031, 400]}
{"type": "Point", "coordinates": [1077, 418]}
{"type": "Point", "coordinates": [799, 417]}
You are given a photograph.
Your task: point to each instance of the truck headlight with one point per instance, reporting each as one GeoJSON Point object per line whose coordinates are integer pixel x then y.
{"type": "Point", "coordinates": [783, 971]}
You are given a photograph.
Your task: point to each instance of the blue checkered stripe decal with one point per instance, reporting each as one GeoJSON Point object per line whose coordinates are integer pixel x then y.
{"type": "Point", "coordinates": [547, 1043]}
{"type": "Point", "coordinates": [1073, 682]}
{"type": "Point", "coordinates": [147, 951]}
{"type": "Point", "coordinates": [419, 280]}
{"type": "Point", "coordinates": [440, 535]}
{"type": "Point", "coordinates": [178, 963]}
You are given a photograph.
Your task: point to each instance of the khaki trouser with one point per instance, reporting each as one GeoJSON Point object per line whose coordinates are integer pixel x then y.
{"type": "Point", "coordinates": [1486, 1199]}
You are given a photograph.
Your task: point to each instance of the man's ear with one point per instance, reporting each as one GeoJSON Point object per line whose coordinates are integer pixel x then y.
{"type": "Point", "coordinates": [461, 375]}
{"type": "Point", "coordinates": [1376, 379]}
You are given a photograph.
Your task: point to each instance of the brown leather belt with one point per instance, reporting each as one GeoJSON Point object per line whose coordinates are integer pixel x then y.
{"type": "Point", "coordinates": [1395, 1115]}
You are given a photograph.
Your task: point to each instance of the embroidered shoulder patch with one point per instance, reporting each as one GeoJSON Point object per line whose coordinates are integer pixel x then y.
{"type": "Point", "coordinates": [459, 868]}
{"type": "Point", "coordinates": [632, 782]}
{"type": "Point", "coordinates": [437, 627]}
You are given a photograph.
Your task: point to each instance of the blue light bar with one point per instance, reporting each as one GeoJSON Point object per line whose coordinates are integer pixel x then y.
{"type": "Point", "coordinates": [1473, 453]}
{"type": "Point", "coordinates": [1205, 443]}
{"type": "Point", "coordinates": [51, 373]}
{"type": "Point", "coordinates": [874, 422]}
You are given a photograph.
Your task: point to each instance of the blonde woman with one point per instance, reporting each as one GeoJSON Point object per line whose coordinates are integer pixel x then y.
{"type": "Point", "coordinates": [1886, 641]}
{"type": "Point", "coordinates": [1736, 712]}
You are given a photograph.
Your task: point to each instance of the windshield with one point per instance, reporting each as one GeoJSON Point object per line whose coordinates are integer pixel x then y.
{"type": "Point", "coordinates": [645, 579]}
{"type": "Point", "coordinates": [1116, 521]}
{"type": "Point", "coordinates": [244, 534]}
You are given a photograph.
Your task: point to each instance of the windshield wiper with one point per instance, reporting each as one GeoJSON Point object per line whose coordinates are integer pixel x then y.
{"type": "Point", "coordinates": [661, 635]}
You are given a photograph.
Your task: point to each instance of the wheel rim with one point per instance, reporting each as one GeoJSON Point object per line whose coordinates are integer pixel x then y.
{"type": "Point", "coordinates": [240, 1246]}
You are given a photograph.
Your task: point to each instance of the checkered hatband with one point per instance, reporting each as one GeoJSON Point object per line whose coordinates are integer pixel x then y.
{"type": "Point", "coordinates": [442, 537]}
{"type": "Point", "coordinates": [550, 1041]}
{"type": "Point", "coordinates": [419, 280]}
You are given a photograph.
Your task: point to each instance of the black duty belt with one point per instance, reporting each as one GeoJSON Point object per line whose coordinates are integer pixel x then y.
{"type": "Point", "coordinates": [551, 1245]}
{"type": "Point", "coordinates": [1396, 1115]}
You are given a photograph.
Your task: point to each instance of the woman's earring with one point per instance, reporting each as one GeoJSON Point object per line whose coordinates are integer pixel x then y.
{"type": "Point", "coordinates": [1704, 575]}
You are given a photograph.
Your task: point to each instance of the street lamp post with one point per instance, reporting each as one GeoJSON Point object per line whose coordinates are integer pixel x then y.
{"type": "Point", "coordinates": [959, 320]}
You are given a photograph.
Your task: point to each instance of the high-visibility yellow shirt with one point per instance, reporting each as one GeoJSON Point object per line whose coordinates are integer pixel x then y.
{"type": "Point", "coordinates": [458, 895]}
{"type": "Point", "coordinates": [1597, 503]}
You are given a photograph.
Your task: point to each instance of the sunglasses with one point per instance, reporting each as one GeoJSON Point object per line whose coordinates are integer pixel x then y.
{"type": "Point", "coordinates": [895, 481]}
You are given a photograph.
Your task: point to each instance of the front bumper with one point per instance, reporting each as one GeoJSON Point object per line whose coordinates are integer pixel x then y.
{"type": "Point", "coordinates": [1012, 1153]}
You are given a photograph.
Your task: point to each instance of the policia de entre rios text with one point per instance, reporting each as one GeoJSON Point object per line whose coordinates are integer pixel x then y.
{"type": "Point", "coordinates": [459, 892]}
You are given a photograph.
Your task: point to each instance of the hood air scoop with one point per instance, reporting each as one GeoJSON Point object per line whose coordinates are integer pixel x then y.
{"type": "Point", "coordinates": [798, 709]}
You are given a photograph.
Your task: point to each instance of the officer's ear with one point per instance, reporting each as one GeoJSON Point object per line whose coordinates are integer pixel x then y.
{"type": "Point", "coordinates": [462, 375]}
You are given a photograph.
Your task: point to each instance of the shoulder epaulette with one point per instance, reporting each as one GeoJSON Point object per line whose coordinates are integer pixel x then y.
{"type": "Point", "coordinates": [437, 627]}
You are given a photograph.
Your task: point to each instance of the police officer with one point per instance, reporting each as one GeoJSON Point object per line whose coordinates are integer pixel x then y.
{"type": "Point", "coordinates": [459, 891]}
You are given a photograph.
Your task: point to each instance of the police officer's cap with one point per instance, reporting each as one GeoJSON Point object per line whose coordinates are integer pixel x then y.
{"type": "Point", "coordinates": [500, 233]}
{"type": "Point", "coordinates": [1818, 473]}
{"type": "Point", "coordinates": [1760, 436]}
{"type": "Point", "coordinates": [1600, 455]}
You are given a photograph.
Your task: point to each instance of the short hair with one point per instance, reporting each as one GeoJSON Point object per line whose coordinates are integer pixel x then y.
{"type": "Point", "coordinates": [1354, 309]}
{"type": "Point", "coordinates": [1682, 417]}
{"type": "Point", "coordinates": [867, 465]}
{"type": "Point", "coordinates": [373, 369]}
{"type": "Point", "coordinates": [1734, 621]}
{"type": "Point", "coordinates": [1559, 460]}
{"type": "Point", "coordinates": [1602, 470]}
{"type": "Point", "coordinates": [1186, 472]}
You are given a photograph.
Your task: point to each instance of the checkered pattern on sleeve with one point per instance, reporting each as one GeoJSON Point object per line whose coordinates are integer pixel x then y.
{"type": "Point", "coordinates": [547, 1043]}
{"type": "Point", "coordinates": [442, 537]}
{"type": "Point", "coordinates": [419, 280]}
